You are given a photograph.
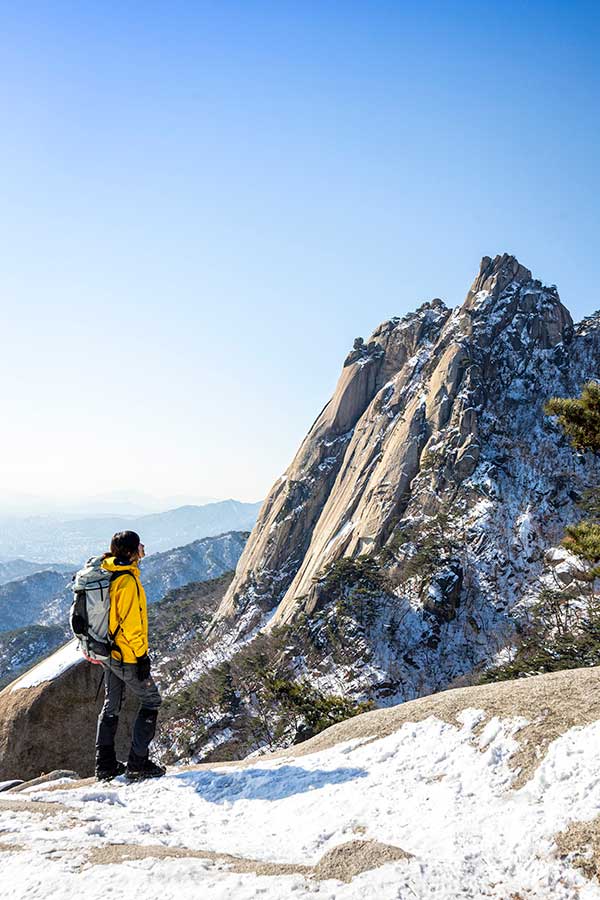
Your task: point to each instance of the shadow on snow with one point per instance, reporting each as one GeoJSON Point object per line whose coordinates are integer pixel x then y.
{"type": "Point", "coordinates": [264, 784]}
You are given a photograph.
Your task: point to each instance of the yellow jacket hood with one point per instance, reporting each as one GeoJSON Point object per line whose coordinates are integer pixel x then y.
{"type": "Point", "coordinates": [112, 565]}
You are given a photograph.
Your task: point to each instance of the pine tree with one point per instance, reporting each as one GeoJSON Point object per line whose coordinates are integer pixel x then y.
{"type": "Point", "coordinates": [583, 540]}
{"type": "Point", "coordinates": [579, 417]}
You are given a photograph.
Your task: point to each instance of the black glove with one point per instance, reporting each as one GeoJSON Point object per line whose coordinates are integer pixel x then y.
{"type": "Point", "coordinates": [143, 667]}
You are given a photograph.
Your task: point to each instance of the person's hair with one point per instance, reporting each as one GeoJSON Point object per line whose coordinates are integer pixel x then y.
{"type": "Point", "coordinates": [124, 545]}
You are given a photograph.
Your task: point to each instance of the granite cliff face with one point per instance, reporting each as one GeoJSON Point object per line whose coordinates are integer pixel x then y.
{"type": "Point", "coordinates": [435, 436]}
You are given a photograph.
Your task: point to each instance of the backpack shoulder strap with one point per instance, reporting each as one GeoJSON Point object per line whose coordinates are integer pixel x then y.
{"type": "Point", "coordinates": [116, 575]}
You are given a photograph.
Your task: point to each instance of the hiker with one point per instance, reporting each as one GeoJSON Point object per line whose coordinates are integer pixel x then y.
{"type": "Point", "coordinates": [128, 666]}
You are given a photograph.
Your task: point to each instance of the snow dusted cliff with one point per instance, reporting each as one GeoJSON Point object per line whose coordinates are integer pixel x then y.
{"type": "Point", "coordinates": [435, 460]}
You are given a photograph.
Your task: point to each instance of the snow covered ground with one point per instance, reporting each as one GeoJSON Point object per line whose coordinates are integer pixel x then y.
{"type": "Point", "coordinates": [440, 792]}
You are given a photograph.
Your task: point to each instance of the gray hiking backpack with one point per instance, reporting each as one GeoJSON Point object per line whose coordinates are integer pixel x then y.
{"type": "Point", "coordinates": [90, 610]}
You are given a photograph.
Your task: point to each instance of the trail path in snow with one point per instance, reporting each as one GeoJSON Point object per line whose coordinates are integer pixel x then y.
{"type": "Point", "coordinates": [436, 798]}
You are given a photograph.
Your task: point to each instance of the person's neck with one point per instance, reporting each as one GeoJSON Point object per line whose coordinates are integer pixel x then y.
{"type": "Point", "coordinates": [127, 562]}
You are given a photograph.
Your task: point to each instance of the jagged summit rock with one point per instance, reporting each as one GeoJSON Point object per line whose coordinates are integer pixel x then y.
{"type": "Point", "coordinates": [496, 274]}
{"type": "Point", "coordinates": [505, 294]}
{"type": "Point", "coordinates": [589, 324]}
{"type": "Point", "coordinates": [436, 418]}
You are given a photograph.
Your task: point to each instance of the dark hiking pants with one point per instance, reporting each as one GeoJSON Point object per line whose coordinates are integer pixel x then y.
{"type": "Point", "coordinates": [117, 677]}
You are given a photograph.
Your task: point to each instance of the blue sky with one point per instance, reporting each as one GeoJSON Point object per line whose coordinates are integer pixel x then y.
{"type": "Point", "coordinates": [205, 203]}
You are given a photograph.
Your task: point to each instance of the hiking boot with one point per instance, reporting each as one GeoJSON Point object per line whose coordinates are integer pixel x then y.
{"type": "Point", "coordinates": [138, 768]}
{"type": "Point", "coordinates": [107, 764]}
{"type": "Point", "coordinates": [108, 771]}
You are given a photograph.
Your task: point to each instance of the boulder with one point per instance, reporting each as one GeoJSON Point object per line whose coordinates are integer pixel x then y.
{"type": "Point", "coordinates": [52, 724]}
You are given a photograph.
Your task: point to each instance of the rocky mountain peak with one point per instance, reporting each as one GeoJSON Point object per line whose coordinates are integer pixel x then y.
{"type": "Point", "coordinates": [589, 325]}
{"type": "Point", "coordinates": [438, 418]}
{"type": "Point", "coordinates": [496, 274]}
{"type": "Point", "coordinates": [505, 299]}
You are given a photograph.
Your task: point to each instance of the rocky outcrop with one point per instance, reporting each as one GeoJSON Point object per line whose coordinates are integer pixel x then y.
{"type": "Point", "coordinates": [52, 725]}
{"type": "Point", "coordinates": [436, 422]}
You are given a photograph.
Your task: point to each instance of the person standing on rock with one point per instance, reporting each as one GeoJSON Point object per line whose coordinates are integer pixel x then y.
{"type": "Point", "coordinates": [128, 666]}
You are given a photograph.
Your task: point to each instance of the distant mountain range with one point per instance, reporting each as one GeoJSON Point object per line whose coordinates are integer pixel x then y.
{"type": "Point", "coordinates": [201, 560]}
{"type": "Point", "coordinates": [122, 503]}
{"type": "Point", "coordinates": [22, 648]}
{"type": "Point", "coordinates": [48, 538]}
{"type": "Point", "coordinates": [14, 569]}
{"type": "Point", "coordinates": [26, 601]}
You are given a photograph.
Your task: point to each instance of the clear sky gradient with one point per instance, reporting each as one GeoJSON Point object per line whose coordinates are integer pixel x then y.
{"type": "Point", "coordinates": [204, 203]}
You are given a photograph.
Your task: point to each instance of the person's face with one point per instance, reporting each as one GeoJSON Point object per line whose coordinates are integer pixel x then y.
{"type": "Point", "coordinates": [141, 551]}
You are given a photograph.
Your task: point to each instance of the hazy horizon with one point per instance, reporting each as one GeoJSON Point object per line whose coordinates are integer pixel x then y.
{"type": "Point", "coordinates": [205, 204]}
{"type": "Point", "coordinates": [120, 503]}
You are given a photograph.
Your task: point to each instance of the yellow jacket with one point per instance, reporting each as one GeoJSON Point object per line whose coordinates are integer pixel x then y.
{"type": "Point", "coordinates": [128, 610]}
